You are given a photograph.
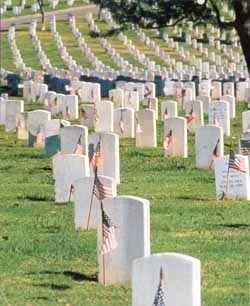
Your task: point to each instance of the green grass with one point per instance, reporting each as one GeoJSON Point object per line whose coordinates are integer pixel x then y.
{"type": "Point", "coordinates": [44, 260]}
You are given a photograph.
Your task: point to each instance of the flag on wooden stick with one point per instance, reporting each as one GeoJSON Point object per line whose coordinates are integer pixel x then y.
{"type": "Point", "coordinates": [191, 115]}
{"type": "Point", "coordinates": [79, 147]}
{"type": "Point", "coordinates": [39, 137]}
{"type": "Point", "coordinates": [109, 241]}
{"type": "Point", "coordinates": [101, 191]}
{"type": "Point", "coordinates": [168, 140]}
{"type": "Point", "coordinates": [95, 155]}
{"type": "Point", "coordinates": [235, 163]}
{"type": "Point", "coordinates": [216, 150]}
{"type": "Point", "coordinates": [159, 299]}
{"type": "Point", "coordinates": [68, 115]}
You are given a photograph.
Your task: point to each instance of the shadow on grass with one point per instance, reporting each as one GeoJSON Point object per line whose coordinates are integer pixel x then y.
{"type": "Point", "coordinates": [236, 225]}
{"type": "Point", "coordinates": [76, 276]}
{"type": "Point", "coordinates": [192, 198]}
{"type": "Point", "coordinates": [35, 198]}
{"type": "Point", "coordinates": [53, 286]}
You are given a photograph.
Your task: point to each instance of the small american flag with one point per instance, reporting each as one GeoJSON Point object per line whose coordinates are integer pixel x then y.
{"type": "Point", "coordinates": [235, 163]}
{"type": "Point", "coordinates": [166, 114]}
{"type": "Point", "coordinates": [191, 116]}
{"type": "Point", "coordinates": [68, 115]}
{"type": "Point", "coordinates": [168, 140]}
{"type": "Point", "coordinates": [55, 102]}
{"type": "Point", "coordinates": [245, 147]}
{"type": "Point", "coordinates": [215, 151]}
{"type": "Point", "coordinates": [96, 115]}
{"type": "Point", "coordinates": [79, 147]}
{"type": "Point", "coordinates": [121, 126]}
{"type": "Point", "coordinates": [150, 104]}
{"type": "Point", "coordinates": [96, 155]}
{"type": "Point", "coordinates": [109, 241]}
{"type": "Point", "coordinates": [148, 91]}
{"type": "Point", "coordinates": [129, 99]}
{"type": "Point", "coordinates": [46, 102]}
{"type": "Point", "coordinates": [159, 297]}
{"type": "Point", "coordinates": [78, 92]}
{"type": "Point", "coordinates": [100, 190]}
{"type": "Point", "coordinates": [39, 137]}
{"type": "Point", "coordinates": [84, 114]}
{"type": "Point", "coordinates": [92, 95]}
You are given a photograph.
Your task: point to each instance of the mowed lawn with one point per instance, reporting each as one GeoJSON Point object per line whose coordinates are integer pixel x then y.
{"type": "Point", "coordinates": [44, 261]}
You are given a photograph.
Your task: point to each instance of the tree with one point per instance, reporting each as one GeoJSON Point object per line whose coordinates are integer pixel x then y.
{"type": "Point", "coordinates": [165, 13]}
{"type": "Point", "coordinates": [40, 3]}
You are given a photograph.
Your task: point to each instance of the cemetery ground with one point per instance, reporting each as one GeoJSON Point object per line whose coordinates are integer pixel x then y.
{"type": "Point", "coordinates": [44, 261]}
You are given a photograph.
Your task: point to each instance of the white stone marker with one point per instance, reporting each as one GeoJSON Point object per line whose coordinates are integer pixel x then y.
{"type": "Point", "coordinates": [2, 111]}
{"type": "Point", "coordinates": [218, 114]}
{"type": "Point", "coordinates": [216, 90]}
{"type": "Point", "coordinates": [70, 110]}
{"type": "Point", "coordinates": [124, 122]}
{"type": "Point", "coordinates": [246, 121]}
{"type": "Point", "coordinates": [104, 121]}
{"type": "Point", "coordinates": [67, 168]}
{"type": "Point", "coordinates": [209, 145]}
{"type": "Point", "coordinates": [87, 115]}
{"type": "Point", "coordinates": [131, 100]}
{"type": "Point", "coordinates": [37, 121]}
{"type": "Point", "coordinates": [194, 115]}
{"type": "Point", "coordinates": [110, 156]}
{"type": "Point", "coordinates": [231, 101]}
{"type": "Point", "coordinates": [232, 183]}
{"type": "Point", "coordinates": [145, 129]}
{"type": "Point", "coordinates": [204, 88]}
{"type": "Point", "coordinates": [117, 97]}
{"type": "Point", "coordinates": [152, 104]}
{"type": "Point", "coordinates": [22, 125]}
{"type": "Point", "coordinates": [168, 109]}
{"type": "Point", "coordinates": [85, 213]}
{"type": "Point", "coordinates": [241, 90]}
{"type": "Point", "coordinates": [228, 89]}
{"type": "Point", "coordinates": [130, 215]}
{"type": "Point", "coordinates": [175, 127]}
{"type": "Point", "coordinates": [12, 109]}
{"type": "Point", "coordinates": [52, 136]}
{"type": "Point", "coordinates": [206, 100]}
{"type": "Point", "coordinates": [72, 137]}
{"type": "Point", "coordinates": [181, 279]}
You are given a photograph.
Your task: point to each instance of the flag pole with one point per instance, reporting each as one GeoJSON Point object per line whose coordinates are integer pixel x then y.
{"type": "Point", "coordinates": [91, 204]}
{"type": "Point", "coordinates": [103, 256]}
{"type": "Point", "coordinates": [227, 181]}
{"type": "Point", "coordinates": [70, 192]}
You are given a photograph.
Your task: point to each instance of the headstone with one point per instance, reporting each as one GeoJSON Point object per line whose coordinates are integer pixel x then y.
{"type": "Point", "coordinates": [131, 100]}
{"type": "Point", "coordinates": [37, 121]}
{"type": "Point", "coordinates": [67, 168]}
{"type": "Point", "coordinates": [175, 137]}
{"type": "Point", "coordinates": [152, 104]}
{"type": "Point", "coordinates": [70, 111]}
{"type": "Point", "coordinates": [231, 101]}
{"type": "Point", "coordinates": [209, 145]}
{"type": "Point", "coordinates": [241, 90]}
{"type": "Point", "coordinates": [12, 109]}
{"type": "Point", "coordinates": [181, 280]}
{"type": "Point", "coordinates": [124, 123]}
{"type": "Point", "coordinates": [109, 164]}
{"type": "Point", "coordinates": [216, 90]}
{"type": "Point", "coordinates": [117, 97]}
{"type": "Point", "coordinates": [145, 129]}
{"type": "Point", "coordinates": [231, 182]}
{"type": "Point", "coordinates": [88, 115]}
{"type": "Point", "coordinates": [246, 121]}
{"type": "Point", "coordinates": [22, 125]}
{"type": "Point", "coordinates": [218, 114]}
{"type": "Point", "coordinates": [228, 89]}
{"type": "Point", "coordinates": [168, 109]}
{"type": "Point", "coordinates": [194, 115]}
{"type": "Point", "coordinates": [130, 216]}
{"type": "Point", "coordinates": [2, 111]}
{"type": "Point", "coordinates": [52, 136]}
{"type": "Point", "coordinates": [86, 203]}
{"type": "Point", "coordinates": [74, 139]}
{"type": "Point", "coordinates": [104, 121]}
{"type": "Point", "coordinates": [206, 100]}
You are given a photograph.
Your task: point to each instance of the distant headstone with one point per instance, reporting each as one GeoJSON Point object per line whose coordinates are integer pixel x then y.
{"type": "Point", "coordinates": [231, 101]}
{"type": "Point", "coordinates": [124, 123]}
{"type": "Point", "coordinates": [22, 125]}
{"type": "Point", "coordinates": [246, 121]}
{"type": "Point", "coordinates": [87, 115]}
{"type": "Point", "coordinates": [218, 114]}
{"type": "Point", "coordinates": [209, 145]}
{"type": "Point", "coordinates": [67, 168]}
{"type": "Point", "coordinates": [12, 109]}
{"type": "Point", "coordinates": [104, 121]}
{"type": "Point", "coordinates": [145, 129]}
{"type": "Point", "coordinates": [232, 177]}
{"type": "Point", "coordinates": [87, 201]}
{"type": "Point", "coordinates": [168, 109]}
{"type": "Point", "coordinates": [74, 140]}
{"type": "Point", "coordinates": [194, 115]}
{"type": "Point", "coordinates": [175, 137]}
{"type": "Point", "coordinates": [130, 217]}
{"type": "Point", "coordinates": [178, 275]}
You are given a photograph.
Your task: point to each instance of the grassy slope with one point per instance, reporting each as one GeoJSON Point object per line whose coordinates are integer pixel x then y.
{"type": "Point", "coordinates": [40, 248]}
